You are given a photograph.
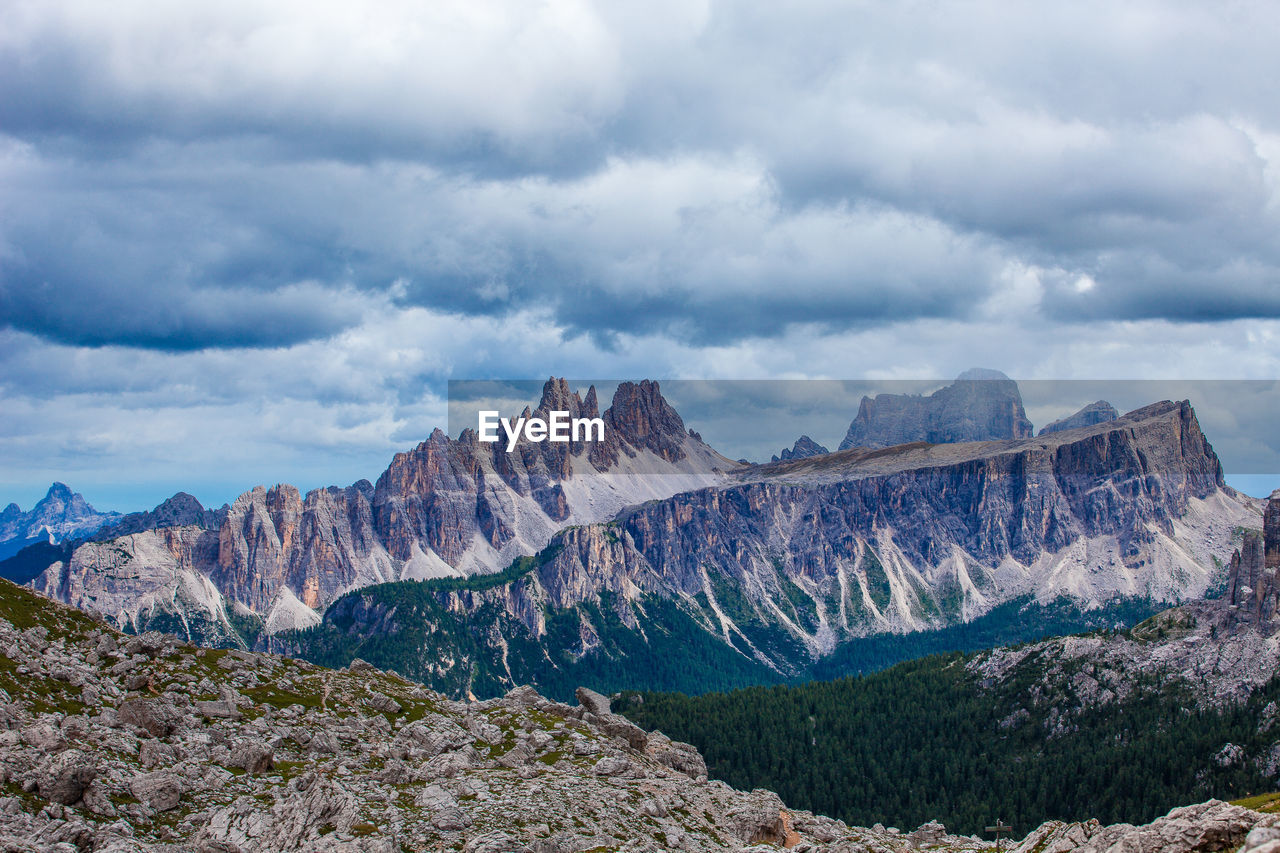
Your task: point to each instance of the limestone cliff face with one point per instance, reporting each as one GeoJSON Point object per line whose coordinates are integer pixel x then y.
{"type": "Point", "coordinates": [979, 406]}
{"type": "Point", "coordinates": [445, 495]}
{"type": "Point", "coordinates": [595, 558]}
{"type": "Point", "coordinates": [642, 419]}
{"type": "Point", "coordinates": [1015, 499]}
{"type": "Point", "coordinates": [255, 543]}
{"type": "Point", "coordinates": [921, 536]}
{"type": "Point", "coordinates": [140, 577]}
{"type": "Point", "coordinates": [1271, 530]}
{"type": "Point", "coordinates": [796, 557]}
{"type": "Point", "coordinates": [781, 560]}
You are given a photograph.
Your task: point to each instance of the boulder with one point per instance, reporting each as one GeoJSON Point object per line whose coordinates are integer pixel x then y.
{"type": "Point", "coordinates": [612, 765]}
{"type": "Point", "coordinates": [252, 756]}
{"type": "Point", "coordinates": [217, 709]}
{"type": "Point", "coordinates": [64, 777]}
{"type": "Point", "coordinates": [495, 842]}
{"type": "Point", "coordinates": [383, 703]}
{"type": "Point", "coordinates": [679, 756]}
{"type": "Point", "coordinates": [161, 790]}
{"type": "Point", "coordinates": [592, 701]}
{"type": "Point", "coordinates": [157, 718]}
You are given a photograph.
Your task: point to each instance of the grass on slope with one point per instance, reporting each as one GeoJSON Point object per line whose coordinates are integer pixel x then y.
{"type": "Point", "coordinates": [1265, 803]}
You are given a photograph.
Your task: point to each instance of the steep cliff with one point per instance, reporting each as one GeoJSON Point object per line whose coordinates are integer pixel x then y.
{"type": "Point", "coordinates": [797, 559]}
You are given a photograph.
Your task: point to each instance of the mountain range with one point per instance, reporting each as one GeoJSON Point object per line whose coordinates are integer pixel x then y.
{"type": "Point", "coordinates": [556, 562]}
{"type": "Point", "coordinates": [447, 508]}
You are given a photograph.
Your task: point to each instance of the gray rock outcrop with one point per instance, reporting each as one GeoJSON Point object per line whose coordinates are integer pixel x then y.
{"type": "Point", "coordinates": [981, 405]}
{"type": "Point", "coordinates": [1099, 412]}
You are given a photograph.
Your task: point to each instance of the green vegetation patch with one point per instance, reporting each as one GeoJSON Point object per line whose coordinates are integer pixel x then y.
{"type": "Point", "coordinates": [877, 579]}
{"type": "Point", "coordinates": [1268, 803]}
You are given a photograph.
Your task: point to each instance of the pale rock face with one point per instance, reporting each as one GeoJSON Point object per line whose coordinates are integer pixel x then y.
{"type": "Point", "coordinates": [831, 548]}
{"type": "Point", "coordinates": [1214, 825]}
{"type": "Point", "coordinates": [135, 577]}
{"type": "Point", "coordinates": [447, 508]}
{"type": "Point", "coordinates": [477, 507]}
{"type": "Point", "coordinates": [1131, 508]}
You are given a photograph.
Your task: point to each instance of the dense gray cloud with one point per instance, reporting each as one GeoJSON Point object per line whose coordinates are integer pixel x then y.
{"type": "Point", "coordinates": [707, 171]}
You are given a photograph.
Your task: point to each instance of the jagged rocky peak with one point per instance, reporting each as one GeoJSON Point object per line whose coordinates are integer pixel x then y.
{"type": "Point", "coordinates": [642, 417]}
{"type": "Point", "coordinates": [180, 510]}
{"type": "Point", "coordinates": [1097, 412]}
{"type": "Point", "coordinates": [59, 506]}
{"type": "Point", "coordinates": [60, 514]}
{"type": "Point", "coordinates": [1253, 575]}
{"type": "Point", "coordinates": [802, 449]}
{"type": "Point", "coordinates": [980, 405]}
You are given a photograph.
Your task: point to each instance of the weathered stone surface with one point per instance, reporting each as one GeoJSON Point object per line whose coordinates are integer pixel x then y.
{"type": "Point", "coordinates": [154, 753]}
{"type": "Point", "coordinates": [679, 756]}
{"type": "Point", "coordinates": [1214, 825]}
{"type": "Point", "coordinates": [161, 790]}
{"type": "Point", "coordinates": [384, 703]}
{"type": "Point", "coordinates": [1271, 532]}
{"type": "Point", "coordinates": [154, 716]}
{"type": "Point", "coordinates": [514, 774]}
{"type": "Point", "coordinates": [286, 556]}
{"type": "Point", "coordinates": [592, 701]}
{"type": "Point", "coordinates": [219, 708]}
{"type": "Point", "coordinates": [64, 776]}
{"type": "Point", "coordinates": [253, 757]}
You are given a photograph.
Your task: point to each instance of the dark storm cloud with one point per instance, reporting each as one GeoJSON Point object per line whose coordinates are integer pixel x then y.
{"type": "Point", "coordinates": [226, 175]}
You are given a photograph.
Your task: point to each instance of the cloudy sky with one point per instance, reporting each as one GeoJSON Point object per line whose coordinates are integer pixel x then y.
{"type": "Point", "coordinates": [246, 242]}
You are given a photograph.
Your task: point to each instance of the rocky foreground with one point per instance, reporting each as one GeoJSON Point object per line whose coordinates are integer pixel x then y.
{"type": "Point", "coordinates": [142, 743]}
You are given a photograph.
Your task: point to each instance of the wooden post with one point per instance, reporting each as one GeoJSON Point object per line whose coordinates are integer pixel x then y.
{"type": "Point", "coordinates": [1000, 829]}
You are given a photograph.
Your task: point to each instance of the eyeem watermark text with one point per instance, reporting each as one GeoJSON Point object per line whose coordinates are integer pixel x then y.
{"type": "Point", "coordinates": [558, 426]}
